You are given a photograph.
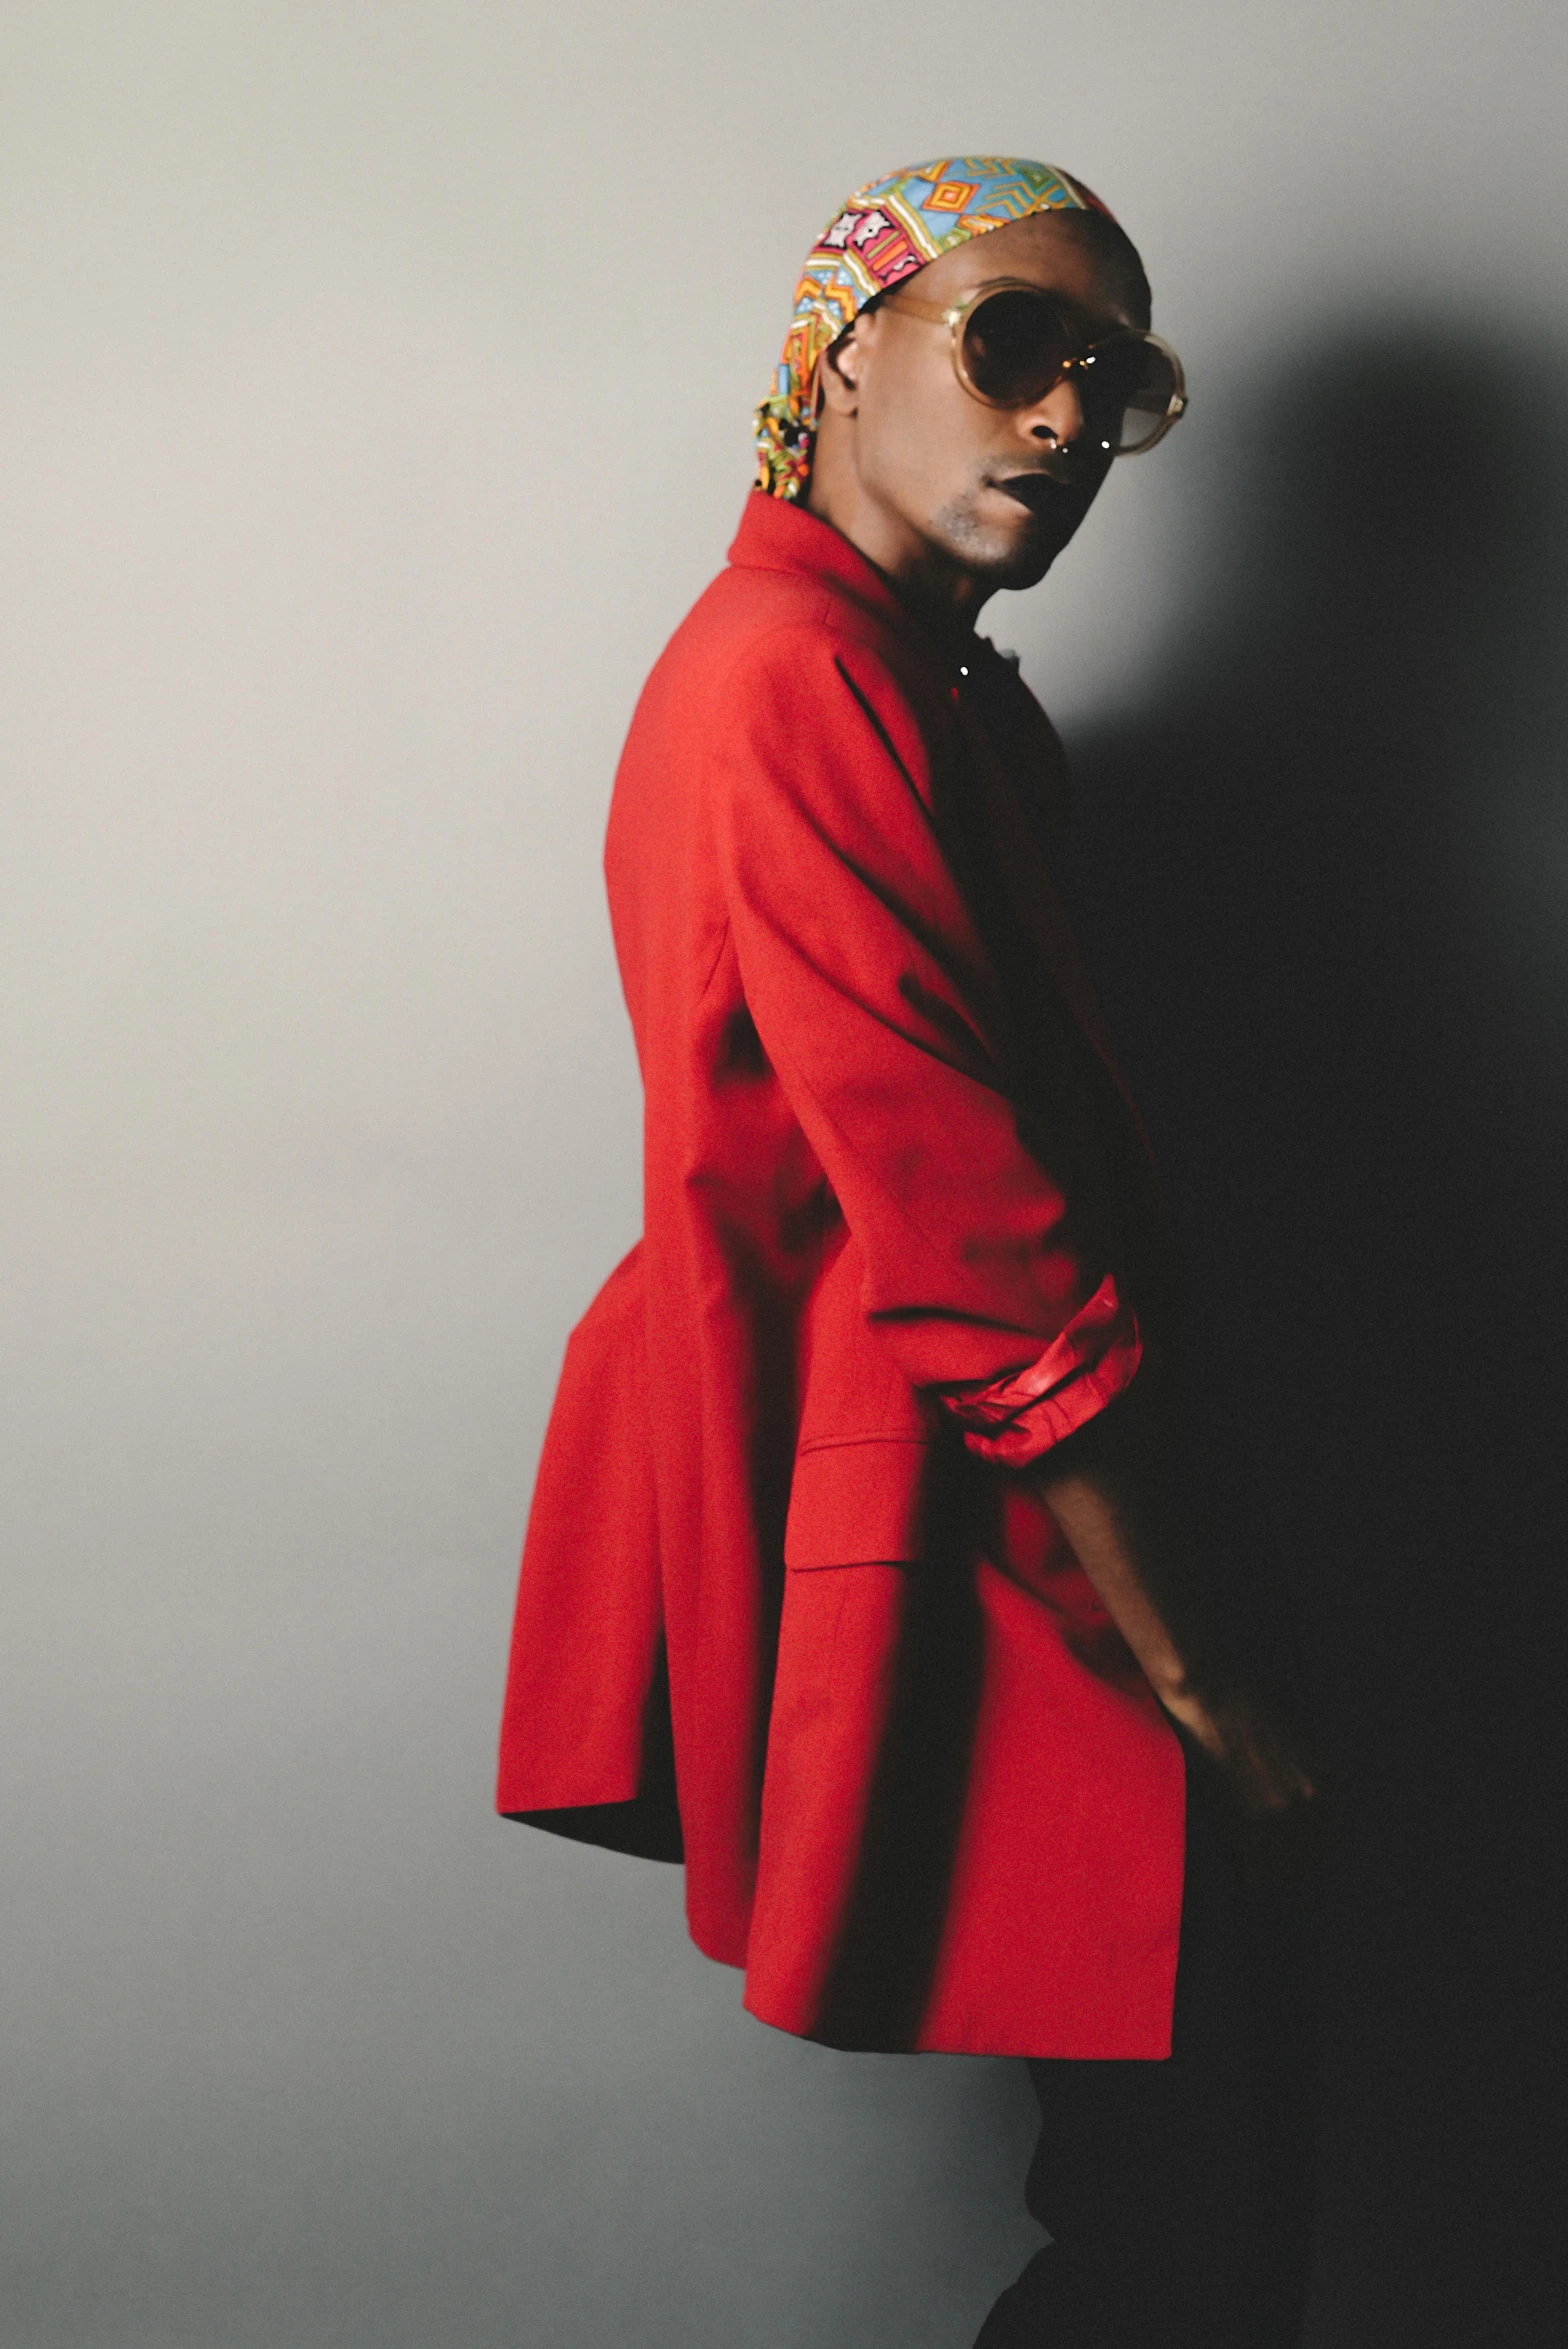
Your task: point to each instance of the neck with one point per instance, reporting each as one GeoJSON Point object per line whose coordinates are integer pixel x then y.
{"type": "Point", "coordinates": [947, 617]}
{"type": "Point", "coordinates": [942, 596]}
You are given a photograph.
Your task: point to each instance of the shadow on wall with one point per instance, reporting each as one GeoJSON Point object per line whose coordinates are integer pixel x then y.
{"type": "Point", "coordinates": [1323, 877]}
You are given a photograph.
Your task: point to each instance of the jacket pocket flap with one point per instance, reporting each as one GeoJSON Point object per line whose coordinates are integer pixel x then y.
{"type": "Point", "coordinates": [857, 1502]}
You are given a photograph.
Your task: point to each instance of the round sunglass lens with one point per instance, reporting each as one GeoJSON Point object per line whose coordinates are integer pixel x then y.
{"type": "Point", "coordinates": [1128, 386]}
{"type": "Point", "coordinates": [1014, 345]}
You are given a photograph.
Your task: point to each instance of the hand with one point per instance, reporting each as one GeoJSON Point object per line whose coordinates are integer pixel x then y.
{"type": "Point", "coordinates": [1252, 1755]}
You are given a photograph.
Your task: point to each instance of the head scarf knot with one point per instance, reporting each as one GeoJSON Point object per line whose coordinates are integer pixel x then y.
{"type": "Point", "coordinates": [886, 231]}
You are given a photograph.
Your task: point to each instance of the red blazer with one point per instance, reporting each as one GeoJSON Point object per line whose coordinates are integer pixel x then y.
{"type": "Point", "coordinates": [901, 1236]}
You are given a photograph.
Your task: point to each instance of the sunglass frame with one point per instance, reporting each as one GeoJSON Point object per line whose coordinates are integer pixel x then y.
{"type": "Point", "coordinates": [956, 316]}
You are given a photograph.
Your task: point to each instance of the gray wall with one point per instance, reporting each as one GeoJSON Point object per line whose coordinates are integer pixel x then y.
{"type": "Point", "coordinates": [375, 391]}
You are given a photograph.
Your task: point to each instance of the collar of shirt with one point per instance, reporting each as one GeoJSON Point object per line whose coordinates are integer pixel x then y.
{"type": "Point", "coordinates": [775, 535]}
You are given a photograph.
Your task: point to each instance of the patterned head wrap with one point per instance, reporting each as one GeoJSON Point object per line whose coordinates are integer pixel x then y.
{"type": "Point", "coordinates": [888, 230]}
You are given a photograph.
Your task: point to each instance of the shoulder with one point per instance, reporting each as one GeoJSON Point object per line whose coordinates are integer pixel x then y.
{"type": "Point", "coordinates": [750, 619]}
{"type": "Point", "coordinates": [767, 654]}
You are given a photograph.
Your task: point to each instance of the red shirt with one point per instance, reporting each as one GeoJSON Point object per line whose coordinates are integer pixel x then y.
{"type": "Point", "coordinates": [901, 1236]}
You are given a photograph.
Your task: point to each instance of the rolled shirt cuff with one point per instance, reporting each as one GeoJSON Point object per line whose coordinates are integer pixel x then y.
{"type": "Point", "coordinates": [1019, 1417]}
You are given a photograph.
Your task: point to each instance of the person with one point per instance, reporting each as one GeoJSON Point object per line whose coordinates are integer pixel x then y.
{"type": "Point", "coordinates": [858, 1571]}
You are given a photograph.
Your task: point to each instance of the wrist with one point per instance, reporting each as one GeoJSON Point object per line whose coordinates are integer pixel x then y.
{"type": "Point", "coordinates": [1171, 1683]}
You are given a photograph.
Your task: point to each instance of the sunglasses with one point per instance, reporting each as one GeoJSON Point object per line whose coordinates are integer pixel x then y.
{"type": "Point", "coordinates": [1012, 342]}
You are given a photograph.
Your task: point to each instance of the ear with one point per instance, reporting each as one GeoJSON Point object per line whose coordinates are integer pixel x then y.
{"type": "Point", "coordinates": [838, 374]}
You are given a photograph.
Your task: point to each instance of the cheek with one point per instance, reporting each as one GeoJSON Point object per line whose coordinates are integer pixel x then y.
{"type": "Point", "coordinates": [927, 437]}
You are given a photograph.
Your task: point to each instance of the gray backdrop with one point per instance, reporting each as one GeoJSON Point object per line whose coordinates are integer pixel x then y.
{"type": "Point", "coordinates": [375, 395]}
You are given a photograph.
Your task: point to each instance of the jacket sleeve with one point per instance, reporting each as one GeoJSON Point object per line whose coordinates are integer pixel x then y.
{"type": "Point", "coordinates": [877, 1008]}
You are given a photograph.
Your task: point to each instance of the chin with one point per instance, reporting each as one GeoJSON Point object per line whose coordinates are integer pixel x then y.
{"type": "Point", "coordinates": [1011, 558]}
{"type": "Point", "coordinates": [1026, 566]}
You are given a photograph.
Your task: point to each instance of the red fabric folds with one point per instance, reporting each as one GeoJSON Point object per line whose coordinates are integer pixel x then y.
{"type": "Point", "coordinates": [1018, 1418]}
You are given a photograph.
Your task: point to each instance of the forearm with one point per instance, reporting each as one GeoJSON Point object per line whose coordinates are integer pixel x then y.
{"type": "Point", "coordinates": [1087, 1514]}
{"type": "Point", "coordinates": [1114, 1499]}
{"type": "Point", "coordinates": [1111, 1494]}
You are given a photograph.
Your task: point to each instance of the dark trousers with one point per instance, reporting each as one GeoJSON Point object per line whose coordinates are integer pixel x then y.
{"type": "Point", "coordinates": [1178, 2195]}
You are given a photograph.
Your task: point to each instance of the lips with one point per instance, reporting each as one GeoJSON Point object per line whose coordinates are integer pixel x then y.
{"type": "Point", "coordinates": [1042, 493]}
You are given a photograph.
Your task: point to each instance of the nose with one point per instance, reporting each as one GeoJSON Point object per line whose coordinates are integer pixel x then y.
{"type": "Point", "coordinates": [1056, 417]}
